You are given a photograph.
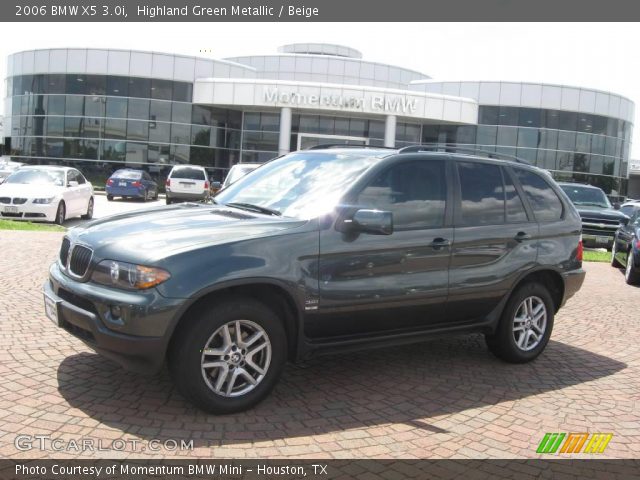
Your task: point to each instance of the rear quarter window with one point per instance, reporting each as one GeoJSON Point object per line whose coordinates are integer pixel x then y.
{"type": "Point", "coordinates": [188, 173]}
{"type": "Point", "coordinates": [544, 201]}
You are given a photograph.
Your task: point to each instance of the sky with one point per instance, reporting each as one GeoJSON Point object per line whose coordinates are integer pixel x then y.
{"type": "Point", "coordinates": [592, 55]}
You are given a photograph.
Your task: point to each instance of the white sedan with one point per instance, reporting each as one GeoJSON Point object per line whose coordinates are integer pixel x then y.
{"type": "Point", "coordinates": [46, 194]}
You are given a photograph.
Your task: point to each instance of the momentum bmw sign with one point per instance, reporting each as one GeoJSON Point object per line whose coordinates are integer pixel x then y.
{"type": "Point", "coordinates": [381, 103]}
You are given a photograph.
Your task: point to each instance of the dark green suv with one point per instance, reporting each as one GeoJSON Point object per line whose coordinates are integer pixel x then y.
{"type": "Point", "coordinates": [321, 251]}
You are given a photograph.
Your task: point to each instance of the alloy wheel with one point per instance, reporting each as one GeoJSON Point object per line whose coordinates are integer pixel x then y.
{"type": "Point", "coordinates": [529, 323]}
{"type": "Point", "coordinates": [236, 358]}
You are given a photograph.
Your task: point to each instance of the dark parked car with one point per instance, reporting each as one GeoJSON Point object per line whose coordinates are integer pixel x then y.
{"type": "Point", "coordinates": [131, 183]}
{"type": "Point", "coordinates": [322, 251]}
{"type": "Point", "coordinates": [600, 219]}
{"type": "Point", "coordinates": [626, 247]}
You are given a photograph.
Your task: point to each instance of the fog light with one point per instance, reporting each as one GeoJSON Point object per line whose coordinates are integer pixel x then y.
{"type": "Point", "coordinates": [115, 312]}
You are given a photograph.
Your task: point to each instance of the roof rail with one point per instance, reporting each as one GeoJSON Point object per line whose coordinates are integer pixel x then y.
{"type": "Point", "coordinates": [342, 145]}
{"type": "Point", "coordinates": [441, 147]}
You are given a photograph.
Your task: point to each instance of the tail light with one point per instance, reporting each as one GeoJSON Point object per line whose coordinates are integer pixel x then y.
{"type": "Point", "coordinates": [109, 182]}
{"type": "Point", "coordinates": [136, 184]}
{"type": "Point", "coordinates": [638, 244]}
{"type": "Point", "coordinates": [168, 182]}
{"type": "Point", "coordinates": [580, 251]}
{"type": "Point", "coordinates": [206, 185]}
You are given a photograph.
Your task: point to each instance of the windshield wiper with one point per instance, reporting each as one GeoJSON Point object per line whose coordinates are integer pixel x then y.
{"type": "Point", "coordinates": [255, 208]}
{"type": "Point", "coordinates": [592, 204]}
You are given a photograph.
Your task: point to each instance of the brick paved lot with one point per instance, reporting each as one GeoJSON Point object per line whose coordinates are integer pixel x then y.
{"type": "Point", "coordinates": [446, 398]}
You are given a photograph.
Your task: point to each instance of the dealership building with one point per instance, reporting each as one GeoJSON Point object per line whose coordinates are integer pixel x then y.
{"type": "Point", "coordinates": [103, 109]}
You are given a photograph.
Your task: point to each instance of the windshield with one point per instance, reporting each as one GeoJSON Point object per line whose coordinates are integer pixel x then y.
{"type": "Point", "coordinates": [301, 185]}
{"type": "Point", "coordinates": [37, 177]}
{"type": "Point", "coordinates": [127, 174]}
{"type": "Point", "coordinates": [586, 196]}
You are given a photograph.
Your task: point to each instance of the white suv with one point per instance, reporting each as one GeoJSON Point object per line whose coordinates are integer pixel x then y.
{"type": "Point", "coordinates": [187, 182]}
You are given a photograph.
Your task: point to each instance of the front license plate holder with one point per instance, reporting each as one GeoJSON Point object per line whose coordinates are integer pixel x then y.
{"type": "Point", "coordinates": [51, 309]}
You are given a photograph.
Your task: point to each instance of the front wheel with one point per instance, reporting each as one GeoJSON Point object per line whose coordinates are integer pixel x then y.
{"type": "Point", "coordinates": [228, 357]}
{"type": "Point", "coordinates": [614, 251]}
{"type": "Point", "coordinates": [525, 325]}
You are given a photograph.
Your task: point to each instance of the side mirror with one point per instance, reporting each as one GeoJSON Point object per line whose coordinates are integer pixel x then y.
{"type": "Point", "coordinates": [72, 183]}
{"type": "Point", "coordinates": [376, 222]}
{"type": "Point", "coordinates": [616, 205]}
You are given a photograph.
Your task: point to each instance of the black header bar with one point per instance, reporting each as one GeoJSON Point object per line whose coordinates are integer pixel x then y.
{"type": "Point", "coordinates": [318, 10]}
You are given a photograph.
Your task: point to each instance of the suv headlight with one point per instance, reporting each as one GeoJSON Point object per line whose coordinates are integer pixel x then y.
{"type": "Point", "coordinates": [128, 275]}
{"type": "Point", "coordinates": [43, 201]}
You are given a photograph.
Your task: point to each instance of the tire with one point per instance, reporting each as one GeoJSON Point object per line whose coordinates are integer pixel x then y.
{"type": "Point", "coordinates": [168, 201]}
{"type": "Point", "coordinates": [614, 262]}
{"type": "Point", "coordinates": [503, 344]}
{"type": "Point", "coordinates": [89, 214]}
{"type": "Point", "coordinates": [155, 197]}
{"type": "Point", "coordinates": [110, 197]}
{"type": "Point", "coordinates": [60, 213]}
{"type": "Point", "coordinates": [631, 275]}
{"type": "Point", "coordinates": [145, 196]}
{"type": "Point", "coordinates": [205, 330]}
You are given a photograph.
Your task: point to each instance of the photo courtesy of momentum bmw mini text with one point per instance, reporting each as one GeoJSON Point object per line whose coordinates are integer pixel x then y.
{"type": "Point", "coordinates": [324, 240]}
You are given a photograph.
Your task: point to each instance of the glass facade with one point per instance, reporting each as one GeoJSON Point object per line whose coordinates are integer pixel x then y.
{"type": "Point", "coordinates": [110, 121]}
{"type": "Point", "coordinates": [574, 146]}
{"type": "Point", "coordinates": [113, 119]}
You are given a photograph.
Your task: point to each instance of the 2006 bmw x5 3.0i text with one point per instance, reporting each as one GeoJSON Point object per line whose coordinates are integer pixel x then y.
{"type": "Point", "coordinates": [320, 251]}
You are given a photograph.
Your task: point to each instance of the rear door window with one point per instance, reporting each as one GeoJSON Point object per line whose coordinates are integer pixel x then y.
{"type": "Point", "coordinates": [544, 201]}
{"type": "Point", "coordinates": [481, 194]}
{"type": "Point", "coordinates": [188, 173]}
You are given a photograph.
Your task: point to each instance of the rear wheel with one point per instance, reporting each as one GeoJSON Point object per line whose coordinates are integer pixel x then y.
{"type": "Point", "coordinates": [228, 357]}
{"type": "Point", "coordinates": [631, 275]}
{"type": "Point", "coordinates": [168, 200]}
{"type": "Point", "coordinates": [60, 213]}
{"type": "Point", "coordinates": [525, 325]}
{"type": "Point", "coordinates": [89, 214]}
{"type": "Point", "coordinates": [110, 197]}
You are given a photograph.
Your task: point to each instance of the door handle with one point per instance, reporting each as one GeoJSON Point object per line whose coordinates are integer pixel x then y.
{"type": "Point", "coordinates": [521, 236]}
{"type": "Point", "coordinates": [440, 243]}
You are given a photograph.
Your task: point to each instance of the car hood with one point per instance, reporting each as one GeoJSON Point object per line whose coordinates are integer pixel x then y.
{"type": "Point", "coordinates": [153, 234]}
{"type": "Point", "coordinates": [29, 191]}
{"type": "Point", "coordinates": [600, 213]}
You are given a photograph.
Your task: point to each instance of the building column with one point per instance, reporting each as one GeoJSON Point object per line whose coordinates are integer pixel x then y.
{"type": "Point", "coordinates": [284, 141]}
{"type": "Point", "coordinates": [390, 131]}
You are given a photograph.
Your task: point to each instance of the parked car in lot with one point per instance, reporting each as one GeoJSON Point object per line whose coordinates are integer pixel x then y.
{"type": "Point", "coordinates": [238, 171]}
{"type": "Point", "coordinates": [322, 251]}
{"type": "Point", "coordinates": [46, 194]}
{"type": "Point", "coordinates": [626, 246]}
{"type": "Point", "coordinates": [131, 183]}
{"type": "Point", "coordinates": [599, 218]}
{"type": "Point", "coordinates": [187, 182]}
{"type": "Point", "coordinates": [7, 168]}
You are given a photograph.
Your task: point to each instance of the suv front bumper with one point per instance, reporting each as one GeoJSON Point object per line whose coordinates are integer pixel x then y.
{"type": "Point", "coordinates": [84, 311]}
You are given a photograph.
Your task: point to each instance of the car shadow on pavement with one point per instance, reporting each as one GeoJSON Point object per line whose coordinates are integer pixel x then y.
{"type": "Point", "coordinates": [407, 384]}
